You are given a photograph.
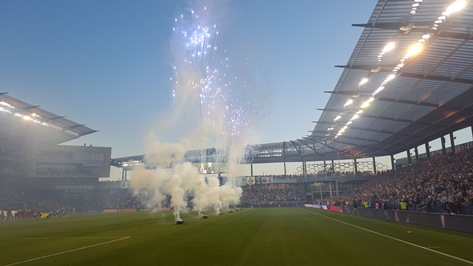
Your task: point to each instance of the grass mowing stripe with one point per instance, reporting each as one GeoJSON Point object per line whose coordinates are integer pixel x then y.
{"type": "Point", "coordinates": [68, 251]}
{"type": "Point", "coordinates": [393, 238]}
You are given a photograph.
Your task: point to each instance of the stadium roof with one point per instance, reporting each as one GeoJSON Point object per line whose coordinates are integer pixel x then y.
{"type": "Point", "coordinates": [388, 101]}
{"type": "Point", "coordinates": [22, 121]}
{"type": "Point", "coordinates": [408, 81]}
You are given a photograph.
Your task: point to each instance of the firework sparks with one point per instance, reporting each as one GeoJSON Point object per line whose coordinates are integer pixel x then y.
{"type": "Point", "coordinates": [220, 98]}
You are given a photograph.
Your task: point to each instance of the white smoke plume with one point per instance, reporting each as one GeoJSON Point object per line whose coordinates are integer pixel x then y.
{"type": "Point", "coordinates": [211, 108]}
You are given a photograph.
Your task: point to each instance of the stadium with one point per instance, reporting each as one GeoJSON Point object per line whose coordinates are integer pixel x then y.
{"type": "Point", "coordinates": [343, 206]}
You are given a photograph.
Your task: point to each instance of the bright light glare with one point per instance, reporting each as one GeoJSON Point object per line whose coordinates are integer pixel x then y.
{"type": "Point", "coordinates": [363, 82]}
{"type": "Point", "coordinates": [7, 105]}
{"type": "Point", "coordinates": [455, 7]}
{"type": "Point", "coordinates": [378, 90]}
{"type": "Point", "coordinates": [414, 50]}
{"type": "Point", "coordinates": [367, 103]}
{"type": "Point", "coordinates": [350, 101]}
{"type": "Point", "coordinates": [390, 77]}
{"type": "Point", "coordinates": [389, 47]}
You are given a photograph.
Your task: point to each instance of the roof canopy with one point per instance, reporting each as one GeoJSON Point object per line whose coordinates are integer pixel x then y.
{"type": "Point", "coordinates": [408, 81]}
{"type": "Point", "coordinates": [22, 121]}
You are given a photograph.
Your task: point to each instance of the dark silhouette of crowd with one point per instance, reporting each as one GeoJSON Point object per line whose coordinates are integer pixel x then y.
{"type": "Point", "coordinates": [17, 201]}
{"type": "Point", "coordinates": [441, 184]}
{"type": "Point", "coordinates": [273, 195]}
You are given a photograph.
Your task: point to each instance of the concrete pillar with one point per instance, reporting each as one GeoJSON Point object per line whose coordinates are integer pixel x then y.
{"type": "Point", "coordinates": [124, 178]}
{"type": "Point", "coordinates": [416, 152]}
{"type": "Point", "coordinates": [452, 143]}
{"type": "Point", "coordinates": [442, 141]}
{"type": "Point", "coordinates": [427, 150]}
{"type": "Point", "coordinates": [356, 166]}
{"type": "Point", "coordinates": [375, 171]}
{"type": "Point", "coordinates": [393, 165]}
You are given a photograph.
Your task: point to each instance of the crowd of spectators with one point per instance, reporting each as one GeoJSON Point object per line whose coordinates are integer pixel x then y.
{"type": "Point", "coordinates": [273, 196]}
{"type": "Point", "coordinates": [441, 184]}
{"type": "Point", "coordinates": [113, 199]}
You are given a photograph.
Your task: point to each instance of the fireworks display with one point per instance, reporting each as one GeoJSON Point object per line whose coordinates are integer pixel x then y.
{"type": "Point", "coordinates": [211, 108]}
{"type": "Point", "coordinates": [222, 95]}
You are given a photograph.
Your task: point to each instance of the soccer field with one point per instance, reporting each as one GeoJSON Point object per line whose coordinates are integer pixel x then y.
{"type": "Point", "coordinates": [262, 236]}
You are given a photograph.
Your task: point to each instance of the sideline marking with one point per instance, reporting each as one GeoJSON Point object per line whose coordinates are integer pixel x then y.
{"type": "Point", "coordinates": [67, 251]}
{"type": "Point", "coordinates": [64, 237]}
{"type": "Point", "coordinates": [393, 238]}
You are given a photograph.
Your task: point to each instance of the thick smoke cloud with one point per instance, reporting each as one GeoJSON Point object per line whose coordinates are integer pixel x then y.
{"type": "Point", "coordinates": [208, 110]}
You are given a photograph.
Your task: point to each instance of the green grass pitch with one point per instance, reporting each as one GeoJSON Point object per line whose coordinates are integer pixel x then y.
{"type": "Point", "coordinates": [259, 236]}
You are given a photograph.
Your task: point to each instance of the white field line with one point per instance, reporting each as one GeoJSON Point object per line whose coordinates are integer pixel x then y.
{"type": "Point", "coordinates": [63, 237]}
{"type": "Point", "coordinates": [68, 251]}
{"type": "Point", "coordinates": [393, 238]}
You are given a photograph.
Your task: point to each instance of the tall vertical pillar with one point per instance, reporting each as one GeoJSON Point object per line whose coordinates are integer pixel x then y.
{"type": "Point", "coordinates": [375, 171]}
{"type": "Point", "coordinates": [452, 143]}
{"type": "Point", "coordinates": [330, 188]}
{"type": "Point", "coordinates": [356, 166]}
{"type": "Point", "coordinates": [124, 178]}
{"type": "Point", "coordinates": [304, 168]}
{"type": "Point", "coordinates": [336, 188]}
{"type": "Point", "coordinates": [409, 160]}
{"type": "Point", "coordinates": [416, 152]}
{"type": "Point", "coordinates": [393, 165]}
{"type": "Point", "coordinates": [321, 194]}
{"type": "Point", "coordinates": [284, 156]}
{"type": "Point", "coordinates": [442, 141]}
{"type": "Point", "coordinates": [427, 150]}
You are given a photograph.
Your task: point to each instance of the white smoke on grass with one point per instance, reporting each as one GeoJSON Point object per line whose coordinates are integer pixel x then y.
{"type": "Point", "coordinates": [212, 107]}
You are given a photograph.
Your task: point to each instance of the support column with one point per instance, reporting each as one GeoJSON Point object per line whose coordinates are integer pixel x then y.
{"type": "Point", "coordinates": [321, 194]}
{"type": "Point", "coordinates": [124, 178]}
{"type": "Point", "coordinates": [356, 166]}
{"type": "Point", "coordinates": [452, 143]}
{"type": "Point", "coordinates": [251, 169]}
{"type": "Point", "coordinates": [330, 188]}
{"type": "Point", "coordinates": [336, 188]}
{"type": "Point", "coordinates": [312, 192]}
{"type": "Point", "coordinates": [393, 165]}
{"type": "Point", "coordinates": [284, 156]}
{"type": "Point", "coordinates": [427, 150]}
{"type": "Point", "coordinates": [416, 152]}
{"type": "Point", "coordinates": [442, 141]}
{"type": "Point", "coordinates": [304, 168]}
{"type": "Point", "coordinates": [374, 166]}
{"type": "Point", "coordinates": [409, 161]}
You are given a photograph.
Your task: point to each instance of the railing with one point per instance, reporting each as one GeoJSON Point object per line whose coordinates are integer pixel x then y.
{"type": "Point", "coordinates": [421, 208]}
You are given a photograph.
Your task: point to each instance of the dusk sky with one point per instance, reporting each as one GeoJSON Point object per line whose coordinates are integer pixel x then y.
{"type": "Point", "coordinates": [109, 64]}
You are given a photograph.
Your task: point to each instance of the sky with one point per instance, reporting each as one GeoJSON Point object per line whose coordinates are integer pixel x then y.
{"type": "Point", "coordinates": [109, 64]}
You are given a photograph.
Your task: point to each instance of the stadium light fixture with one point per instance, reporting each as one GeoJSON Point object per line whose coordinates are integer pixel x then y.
{"type": "Point", "coordinates": [388, 47]}
{"type": "Point", "coordinates": [455, 7]}
{"type": "Point", "coordinates": [349, 102]}
{"type": "Point", "coordinates": [415, 49]}
{"type": "Point", "coordinates": [363, 82]}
